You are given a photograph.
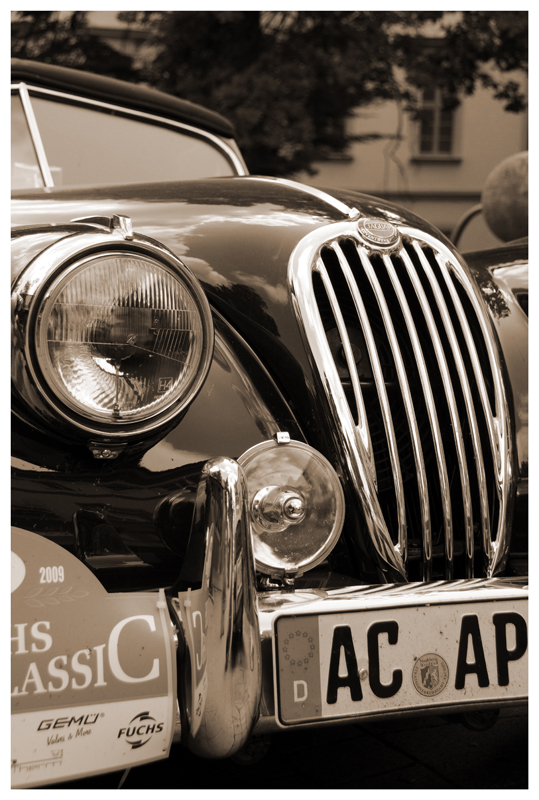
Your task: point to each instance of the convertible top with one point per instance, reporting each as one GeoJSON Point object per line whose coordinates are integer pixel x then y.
{"type": "Point", "coordinates": [111, 90]}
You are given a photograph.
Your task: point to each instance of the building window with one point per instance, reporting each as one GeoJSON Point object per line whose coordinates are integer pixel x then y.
{"type": "Point", "coordinates": [436, 125]}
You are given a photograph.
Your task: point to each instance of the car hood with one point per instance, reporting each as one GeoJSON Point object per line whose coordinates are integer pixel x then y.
{"type": "Point", "coordinates": [236, 234]}
{"type": "Point", "coordinates": [224, 229]}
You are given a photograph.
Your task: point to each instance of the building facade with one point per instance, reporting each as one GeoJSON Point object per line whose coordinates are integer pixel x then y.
{"type": "Point", "coordinates": [435, 166]}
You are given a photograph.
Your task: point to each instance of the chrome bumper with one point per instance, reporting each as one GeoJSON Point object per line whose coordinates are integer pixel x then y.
{"type": "Point", "coordinates": [222, 673]}
{"type": "Point", "coordinates": [227, 682]}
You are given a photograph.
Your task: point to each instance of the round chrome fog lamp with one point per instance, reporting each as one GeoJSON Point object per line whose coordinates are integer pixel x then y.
{"type": "Point", "coordinates": [296, 503]}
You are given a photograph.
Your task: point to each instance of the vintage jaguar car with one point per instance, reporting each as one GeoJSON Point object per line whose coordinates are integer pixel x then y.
{"type": "Point", "coordinates": [268, 444]}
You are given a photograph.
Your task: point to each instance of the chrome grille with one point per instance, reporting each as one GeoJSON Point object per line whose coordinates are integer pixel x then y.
{"type": "Point", "coordinates": [406, 355]}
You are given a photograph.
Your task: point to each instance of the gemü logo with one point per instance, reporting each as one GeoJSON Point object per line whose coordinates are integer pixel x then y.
{"type": "Point", "coordinates": [140, 730]}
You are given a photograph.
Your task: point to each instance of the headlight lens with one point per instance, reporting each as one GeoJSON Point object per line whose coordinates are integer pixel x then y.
{"type": "Point", "coordinates": [297, 506]}
{"type": "Point", "coordinates": [122, 338]}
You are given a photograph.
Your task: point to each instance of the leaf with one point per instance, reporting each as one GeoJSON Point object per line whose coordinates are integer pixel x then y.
{"type": "Point", "coordinates": [53, 596]}
{"type": "Point", "coordinates": [34, 592]}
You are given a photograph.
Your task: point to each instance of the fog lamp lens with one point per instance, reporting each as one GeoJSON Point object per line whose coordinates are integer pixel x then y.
{"type": "Point", "coordinates": [121, 338]}
{"type": "Point", "coordinates": [296, 503]}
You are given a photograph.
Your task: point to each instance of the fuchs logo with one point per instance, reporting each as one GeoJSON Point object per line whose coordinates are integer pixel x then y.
{"type": "Point", "coordinates": [378, 231]}
{"type": "Point", "coordinates": [430, 675]}
{"type": "Point", "coordinates": [140, 730]}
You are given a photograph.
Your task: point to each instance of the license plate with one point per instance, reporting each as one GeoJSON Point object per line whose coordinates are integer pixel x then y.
{"type": "Point", "coordinates": [355, 663]}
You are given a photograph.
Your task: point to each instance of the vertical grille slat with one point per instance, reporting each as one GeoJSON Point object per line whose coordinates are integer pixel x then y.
{"type": "Point", "coordinates": [407, 357]}
{"type": "Point", "coordinates": [362, 424]}
{"type": "Point", "coordinates": [485, 401]}
{"type": "Point", "coordinates": [470, 412]}
{"type": "Point", "coordinates": [452, 406]}
{"type": "Point", "coordinates": [432, 415]}
{"type": "Point", "coordinates": [382, 397]}
{"type": "Point", "coordinates": [422, 480]}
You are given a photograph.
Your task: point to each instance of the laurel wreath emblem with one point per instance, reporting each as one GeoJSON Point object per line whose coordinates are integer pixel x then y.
{"type": "Point", "coordinates": [52, 596]}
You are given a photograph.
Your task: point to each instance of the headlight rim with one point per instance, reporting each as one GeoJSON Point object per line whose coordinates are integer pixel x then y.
{"type": "Point", "coordinates": [35, 284]}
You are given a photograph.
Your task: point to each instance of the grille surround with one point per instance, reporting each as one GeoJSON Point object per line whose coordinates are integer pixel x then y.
{"type": "Point", "coordinates": [452, 519]}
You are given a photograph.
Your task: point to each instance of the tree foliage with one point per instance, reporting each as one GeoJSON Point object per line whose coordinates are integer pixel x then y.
{"type": "Point", "coordinates": [289, 80]}
{"type": "Point", "coordinates": [66, 40]}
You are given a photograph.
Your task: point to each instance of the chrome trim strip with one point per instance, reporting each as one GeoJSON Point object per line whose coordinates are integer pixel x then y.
{"type": "Point", "coordinates": [422, 482]}
{"type": "Point", "coordinates": [128, 112]}
{"type": "Point", "coordinates": [226, 674]}
{"type": "Point", "coordinates": [364, 597]}
{"type": "Point", "coordinates": [431, 411]}
{"type": "Point", "coordinates": [453, 412]}
{"type": "Point", "coordinates": [349, 211]}
{"type": "Point", "coordinates": [470, 410]}
{"type": "Point", "coordinates": [355, 456]}
{"type": "Point", "coordinates": [382, 394]}
{"type": "Point", "coordinates": [34, 133]}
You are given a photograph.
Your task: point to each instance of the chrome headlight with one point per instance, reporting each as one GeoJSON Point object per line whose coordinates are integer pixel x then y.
{"type": "Point", "coordinates": [296, 503]}
{"type": "Point", "coordinates": [118, 338]}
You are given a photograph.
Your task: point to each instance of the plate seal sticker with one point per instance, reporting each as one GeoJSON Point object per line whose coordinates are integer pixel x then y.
{"type": "Point", "coordinates": [298, 664]}
{"type": "Point", "coordinates": [430, 675]}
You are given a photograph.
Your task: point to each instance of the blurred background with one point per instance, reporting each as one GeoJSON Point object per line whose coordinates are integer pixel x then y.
{"type": "Point", "coordinates": [416, 107]}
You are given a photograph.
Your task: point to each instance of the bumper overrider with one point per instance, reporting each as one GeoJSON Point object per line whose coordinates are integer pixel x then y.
{"type": "Point", "coordinates": [266, 661]}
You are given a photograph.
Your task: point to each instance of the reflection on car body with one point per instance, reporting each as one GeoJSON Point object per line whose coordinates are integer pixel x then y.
{"type": "Point", "coordinates": [269, 445]}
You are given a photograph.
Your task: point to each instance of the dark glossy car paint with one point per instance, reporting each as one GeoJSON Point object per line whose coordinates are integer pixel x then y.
{"type": "Point", "coordinates": [236, 235]}
{"type": "Point", "coordinates": [225, 232]}
{"type": "Point", "coordinates": [142, 517]}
